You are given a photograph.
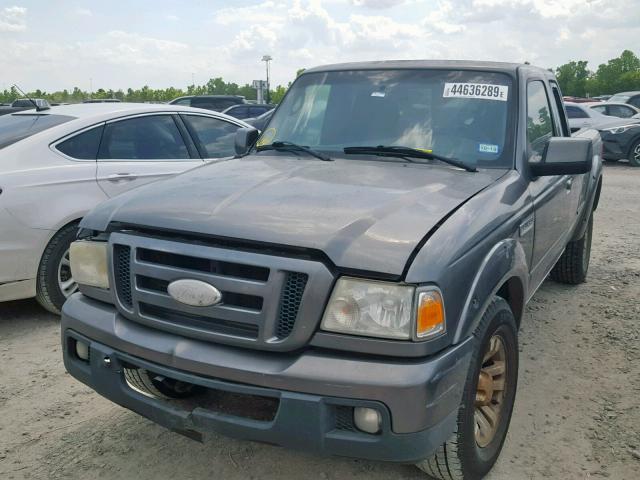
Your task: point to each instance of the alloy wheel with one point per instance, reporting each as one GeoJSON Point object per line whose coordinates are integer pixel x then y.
{"type": "Point", "coordinates": [66, 283]}
{"type": "Point", "coordinates": [490, 393]}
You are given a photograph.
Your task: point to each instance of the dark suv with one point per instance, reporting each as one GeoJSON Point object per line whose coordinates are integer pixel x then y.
{"type": "Point", "coordinates": [216, 103]}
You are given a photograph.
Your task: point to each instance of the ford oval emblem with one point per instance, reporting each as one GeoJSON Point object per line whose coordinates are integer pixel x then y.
{"type": "Point", "coordinates": [194, 292]}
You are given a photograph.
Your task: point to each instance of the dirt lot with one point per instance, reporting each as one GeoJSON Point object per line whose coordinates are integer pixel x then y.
{"type": "Point", "coordinates": [577, 412]}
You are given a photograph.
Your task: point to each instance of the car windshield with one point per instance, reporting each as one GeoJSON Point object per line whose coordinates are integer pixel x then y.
{"type": "Point", "coordinates": [453, 113]}
{"type": "Point", "coordinates": [17, 127]}
{"type": "Point", "coordinates": [619, 98]}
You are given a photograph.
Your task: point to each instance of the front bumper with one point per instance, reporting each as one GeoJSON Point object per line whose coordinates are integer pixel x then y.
{"type": "Point", "coordinates": [418, 400]}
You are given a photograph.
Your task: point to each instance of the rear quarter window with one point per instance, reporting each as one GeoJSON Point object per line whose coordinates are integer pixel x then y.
{"type": "Point", "coordinates": [15, 127]}
{"type": "Point", "coordinates": [83, 146]}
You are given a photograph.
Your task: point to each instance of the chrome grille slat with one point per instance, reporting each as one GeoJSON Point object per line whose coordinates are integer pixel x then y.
{"type": "Point", "coordinates": [238, 285]}
{"type": "Point", "coordinates": [233, 314]}
{"type": "Point", "coordinates": [277, 309]}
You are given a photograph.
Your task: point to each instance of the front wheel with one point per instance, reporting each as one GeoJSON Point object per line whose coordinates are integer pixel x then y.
{"type": "Point", "coordinates": [634, 154]}
{"type": "Point", "coordinates": [487, 401]}
{"type": "Point", "coordinates": [55, 282]}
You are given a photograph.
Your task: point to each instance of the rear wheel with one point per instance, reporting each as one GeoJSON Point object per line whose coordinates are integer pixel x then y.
{"type": "Point", "coordinates": [573, 265]}
{"type": "Point", "coordinates": [487, 401]}
{"type": "Point", "coordinates": [634, 154]}
{"type": "Point", "coordinates": [55, 282]}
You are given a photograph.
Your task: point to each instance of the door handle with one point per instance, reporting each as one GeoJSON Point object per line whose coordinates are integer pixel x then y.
{"type": "Point", "coordinates": [115, 177]}
{"type": "Point", "coordinates": [568, 184]}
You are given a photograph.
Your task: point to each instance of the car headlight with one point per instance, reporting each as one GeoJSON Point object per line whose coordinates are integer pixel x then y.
{"type": "Point", "coordinates": [89, 263]}
{"type": "Point", "coordinates": [383, 309]}
{"type": "Point", "coordinates": [618, 130]}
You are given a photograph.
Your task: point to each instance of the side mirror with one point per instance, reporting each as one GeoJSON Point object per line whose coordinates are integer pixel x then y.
{"type": "Point", "coordinates": [564, 156]}
{"type": "Point", "coordinates": [245, 138]}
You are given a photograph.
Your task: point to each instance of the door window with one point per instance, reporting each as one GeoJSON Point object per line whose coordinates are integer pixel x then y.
{"type": "Point", "coordinates": [256, 111]}
{"type": "Point", "coordinates": [183, 101]}
{"type": "Point", "coordinates": [621, 111]}
{"type": "Point", "coordinates": [635, 101]}
{"type": "Point", "coordinates": [601, 109]}
{"type": "Point", "coordinates": [215, 138]}
{"type": "Point", "coordinates": [83, 146]}
{"type": "Point", "coordinates": [576, 112]}
{"type": "Point", "coordinates": [143, 138]}
{"type": "Point", "coordinates": [239, 112]}
{"type": "Point", "coordinates": [539, 123]}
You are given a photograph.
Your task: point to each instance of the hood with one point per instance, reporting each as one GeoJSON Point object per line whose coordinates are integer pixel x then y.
{"type": "Point", "coordinates": [364, 215]}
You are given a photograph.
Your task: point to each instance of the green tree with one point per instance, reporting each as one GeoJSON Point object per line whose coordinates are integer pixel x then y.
{"type": "Point", "coordinates": [572, 78]}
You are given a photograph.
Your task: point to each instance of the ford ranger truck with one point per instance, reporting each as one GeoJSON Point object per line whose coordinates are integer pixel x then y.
{"type": "Point", "coordinates": [352, 282]}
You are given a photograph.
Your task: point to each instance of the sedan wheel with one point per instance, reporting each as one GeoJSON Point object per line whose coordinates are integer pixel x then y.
{"type": "Point", "coordinates": [65, 280]}
{"type": "Point", "coordinates": [634, 156]}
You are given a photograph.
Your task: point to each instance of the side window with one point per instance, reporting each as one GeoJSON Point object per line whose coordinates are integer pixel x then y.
{"type": "Point", "coordinates": [183, 101]}
{"type": "Point", "coordinates": [256, 111]}
{"type": "Point", "coordinates": [620, 111]}
{"type": "Point", "coordinates": [215, 138]}
{"type": "Point", "coordinates": [143, 138]}
{"type": "Point", "coordinates": [83, 146]}
{"type": "Point", "coordinates": [601, 109]}
{"type": "Point", "coordinates": [539, 123]}
{"type": "Point", "coordinates": [635, 101]}
{"type": "Point", "coordinates": [204, 102]}
{"type": "Point", "coordinates": [557, 98]}
{"type": "Point", "coordinates": [576, 112]}
{"type": "Point", "coordinates": [240, 112]}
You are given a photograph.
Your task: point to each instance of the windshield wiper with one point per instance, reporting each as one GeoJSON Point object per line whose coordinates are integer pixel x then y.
{"type": "Point", "coordinates": [292, 147]}
{"type": "Point", "coordinates": [408, 152]}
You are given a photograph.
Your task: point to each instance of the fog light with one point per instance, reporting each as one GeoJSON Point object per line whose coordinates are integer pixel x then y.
{"type": "Point", "coordinates": [82, 350]}
{"type": "Point", "coordinates": [367, 419]}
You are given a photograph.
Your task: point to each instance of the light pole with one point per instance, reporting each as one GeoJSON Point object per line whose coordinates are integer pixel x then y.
{"type": "Point", "coordinates": [266, 59]}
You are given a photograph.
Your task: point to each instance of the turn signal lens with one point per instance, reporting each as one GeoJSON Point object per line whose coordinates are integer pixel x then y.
{"type": "Point", "coordinates": [430, 319]}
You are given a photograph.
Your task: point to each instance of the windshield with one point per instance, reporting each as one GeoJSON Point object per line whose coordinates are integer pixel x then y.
{"type": "Point", "coordinates": [459, 114]}
{"type": "Point", "coordinates": [17, 127]}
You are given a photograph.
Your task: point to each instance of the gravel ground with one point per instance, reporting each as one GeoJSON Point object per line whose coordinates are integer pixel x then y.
{"type": "Point", "coordinates": [577, 412]}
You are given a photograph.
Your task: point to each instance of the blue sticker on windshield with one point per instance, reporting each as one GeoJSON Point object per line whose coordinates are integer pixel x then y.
{"type": "Point", "coordinates": [488, 148]}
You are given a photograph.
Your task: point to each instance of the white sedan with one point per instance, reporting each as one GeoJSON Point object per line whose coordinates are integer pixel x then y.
{"type": "Point", "coordinates": [59, 163]}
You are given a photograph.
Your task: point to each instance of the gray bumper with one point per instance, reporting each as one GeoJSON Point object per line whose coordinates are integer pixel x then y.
{"type": "Point", "coordinates": [418, 399]}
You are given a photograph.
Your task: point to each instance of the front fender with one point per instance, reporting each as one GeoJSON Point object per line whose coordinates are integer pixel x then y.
{"type": "Point", "coordinates": [594, 184]}
{"type": "Point", "coordinates": [506, 260]}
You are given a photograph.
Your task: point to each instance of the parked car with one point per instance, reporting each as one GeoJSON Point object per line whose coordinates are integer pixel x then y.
{"type": "Point", "coordinates": [621, 142]}
{"type": "Point", "coordinates": [248, 111]}
{"type": "Point", "coordinates": [602, 98]}
{"type": "Point", "coordinates": [260, 122]}
{"type": "Point", "coordinates": [21, 104]}
{"type": "Point", "coordinates": [632, 98]}
{"type": "Point", "coordinates": [353, 285]}
{"type": "Point", "coordinates": [216, 103]}
{"type": "Point", "coordinates": [577, 99]}
{"type": "Point", "coordinates": [57, 164]}
{"type": "Point", "coordinates": [580, 115]}
{"type": "Point", "coordinates": [620, 110]}
{"type": "Point", "coordinates": [101, 100]}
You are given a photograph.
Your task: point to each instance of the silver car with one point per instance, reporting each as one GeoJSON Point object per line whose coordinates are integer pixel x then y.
{"type": "Point", "coordinates": [57, 164]}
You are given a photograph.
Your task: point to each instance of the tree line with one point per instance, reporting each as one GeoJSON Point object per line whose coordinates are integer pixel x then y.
{"type": "Point", "coordinates": [215, 86]}
{"type": "Point", "coordinates": [617, 75]}
{"type": "Point", "coordinates": [575, 79]}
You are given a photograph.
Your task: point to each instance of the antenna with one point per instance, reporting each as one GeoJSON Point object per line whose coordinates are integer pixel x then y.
{"type": "Point", "coordinates": [38, 109]}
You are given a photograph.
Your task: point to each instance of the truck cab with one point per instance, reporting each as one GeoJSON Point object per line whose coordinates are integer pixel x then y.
{"type": "Point", "coordinates": [351, 283]}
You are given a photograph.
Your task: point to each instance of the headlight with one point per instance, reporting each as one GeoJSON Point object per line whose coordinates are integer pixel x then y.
{"type": "Point", "coordinates": [618, 130]}
{"type": "Point", "coordinates": [383, 309]}
{"type": "Point", "coordinates": [89, 263]}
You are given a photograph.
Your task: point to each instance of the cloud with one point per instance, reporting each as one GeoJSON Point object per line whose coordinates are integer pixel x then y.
{"type": "Point", "coordinates": [84, 12]}
{"type": "Point", "coordinates": [13, 19]}
{"type": "Point", "coordinates": [230, 42]}
{"type": "Point", "coordinates": [379, 4]}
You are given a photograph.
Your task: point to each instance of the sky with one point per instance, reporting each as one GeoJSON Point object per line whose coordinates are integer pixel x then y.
{"type": "Point", "coordinates": [54, 44]}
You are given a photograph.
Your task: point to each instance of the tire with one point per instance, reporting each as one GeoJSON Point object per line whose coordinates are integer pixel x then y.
{"type": "Point", "coordinates": [465, 456]}
{"type": "Point", "coordinates": [54, 271]}
{"type": "Point", "coordinates": [634, 154]}
{"type": "Point", "coordinates": [157, 386]}
{"type": "Point", "coordinates": [572, 267]}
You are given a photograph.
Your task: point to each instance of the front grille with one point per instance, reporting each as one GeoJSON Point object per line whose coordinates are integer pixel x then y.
{"type": "Point", "coordinates": [122, 273]}
{"type": "Point", "coordinates": [290, 302]}
{"type": "Point", "coordinates": [264, 302]}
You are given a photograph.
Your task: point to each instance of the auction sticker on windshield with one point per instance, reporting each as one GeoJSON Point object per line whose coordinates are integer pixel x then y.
{"type": "Point", "coordinates": [476, 90]}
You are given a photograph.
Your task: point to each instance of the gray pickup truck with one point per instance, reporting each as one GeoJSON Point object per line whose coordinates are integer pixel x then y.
{"type": "Point", "coordinates": [353, 281]}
